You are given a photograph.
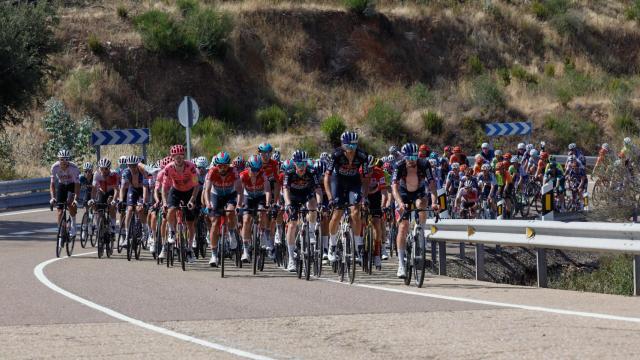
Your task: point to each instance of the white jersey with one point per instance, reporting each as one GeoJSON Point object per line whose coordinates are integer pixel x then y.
{"type": "Point", "coordinates": [70, 175]}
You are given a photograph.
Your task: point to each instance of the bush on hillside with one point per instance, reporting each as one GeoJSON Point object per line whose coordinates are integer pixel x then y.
{"type": "Point", "coordinates": [475, 65]}
{"type": "Point", "coordinates": [375, 146]}
{"type": "Point", "coordinates": [385, 121]}
{"type": "Point", "coordinates": [187, 7]}
{"type": "Point", "coordinates": [208, 30]}
{"type": "Point", "coordinates": [310, 145]}
{"type": "Point", "coordinates": [301, 112]}
{"type": "Point", "coordinates": [545, 9]}
{"type": "Point", "coordinates": [613, 276]}
{"type": "Point", "coordinates": [504, 76]}
{"type": "Point", "coordinates": [210, 134]}
{"type": "Point", "coordinates": [94, 44]}
{"type": "Point", "coordinates": [518, 72]}
{"type": "Point", "coordinates": [421, 95]}
{"type": "Point", "coordinates": [568, 126]}
{"type": "Point", "coordinates": [625, 124]}
{"type": "Point", "coordinates": [333, 127]}
{"type": "Point", "coordinates": [433, 123]}
{"type": "Point", "coordinates": [65, 132]}
{"type": "Point", "coordinates": [272, 119]}
{"type": "Point", "coordinates": [570, 23]}
{"type": "Point", "coordinates": [486, 93]}
{"type": "Point", "coordinates": [26, 38]}
{"type": "Point", "coordinates": [632, 12]}
{"type": "Point", "coordinates": [161, 33]}
{"type": "Point", "coordinates": [360, 7]}
{"type": "Point", "coordinates": [8, 163]}
{"type": "Point", "coordinates": [167, 132]}
{"type": "Point", "coordinates": [550, 70]}
{"type": "Point", "coordinates": [122, 12]}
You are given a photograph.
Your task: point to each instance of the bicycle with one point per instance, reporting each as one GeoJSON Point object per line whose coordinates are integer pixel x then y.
{"type": "Point", "coordinates": [157, 238]}
{"type": "Point", "coordinates": [223, 248]}
{"type": "Point", "coordinates": [87, 228]}
{"type": "Point", "coordinates": [121, 231]}
{"type": "Point", "coordinates": [306, 252]}
{"type": "Point", "coordinates": [280, 245]}
{"type": "Point", "coordinates": [416, 260]}
{"type": "Point", "coordinates": [391, 231]}
{"type": "Point", "coordinates": [104, 237]}
{"type": "Point", "coordinates": [345, 248]}
{"type": "Point", "coordinates": [367, 236]}
{"type": "Point", "coordinates": [201, 235]}
{"type": "Point", "coordinates": [258, 252]}
{"type": "Point", "coordinates": [63, 237]}
{"type": "Point", "coordinates": [181, 234]}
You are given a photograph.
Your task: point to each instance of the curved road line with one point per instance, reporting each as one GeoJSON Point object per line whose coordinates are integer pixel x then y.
{"type": "Point", "coordinates": [38, 271]}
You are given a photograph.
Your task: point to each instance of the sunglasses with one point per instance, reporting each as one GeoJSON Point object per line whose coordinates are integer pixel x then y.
{"type": "Point", "coordinates": [411, 158]}
{"type": "Point", "coordinates": [351, 146]}
{"type": "Point", "coordinates": [301, 164]}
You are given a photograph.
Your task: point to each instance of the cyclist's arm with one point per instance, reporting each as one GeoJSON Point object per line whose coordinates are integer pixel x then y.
{"type": "Point", "coordinates": [52, 188]}
{"type": "Point", "coordinates": [395, 188]}
{"type": "Point", "coordinates": [434, 192]}
{"type": "Point", "coordinates": [267, 191]}
{"type": "Point", "coordinates": [287, 196]}
{"type": "Point", "coordinates": [327, 185]}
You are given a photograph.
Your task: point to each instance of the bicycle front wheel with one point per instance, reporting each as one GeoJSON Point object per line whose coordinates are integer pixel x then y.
{"type": "Point", "coordinates": [70, 240]}
{"type": "Point", "coordinates": [100, 237]}
{"type": "Point", "coordinates": [419, 259]}
{"type": "Point", "coordinates": [408, 261]}
{"type": "Point", "coordinates": [351, 257]}
{"type": "Point", "coordinates": [307, 255]}
{"type": "Point", "coordinates": [84, 229]}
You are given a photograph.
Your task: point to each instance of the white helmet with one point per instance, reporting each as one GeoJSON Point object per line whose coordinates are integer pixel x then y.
{"type": "Point", "coordinates": [87, 166]}
{"type": "Point", "coordinates": [104, 163]}
{"type": "Point", "coordinates": [605, 146]}
{"type": "Point", "coordinates": [122, 160]}
{"type": "Point", "coordinates": [484, 146]}
{"type": "Point", "coordinates": [521, 146]}
{"type": "Point", "coordinates": [627, 140]}
{"type": "Point", "coordinates": [64, 154]}
{"type": "Point", "coordinates": [533, 153]}
{"type": "Point", "coordinates": [455, 166]}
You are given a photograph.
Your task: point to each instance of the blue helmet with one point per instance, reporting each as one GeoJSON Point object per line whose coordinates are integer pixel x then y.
{"type": "Point", "coordinates": [434, 155]}
{"type": "Point", "coordinates": [265, 148]}
{"type": "Point", "coordinates": [320, 166]}
{"type": "Point", "coordinates": [299, 156]}
{"type": "Point", "coordinates": [409, 149]}
{"type": "Point", "coordinates": [222, 158]}
{"type": "Point", "coordinates": [255, 162]}
{"type": "Point", "coordinates": [349, 137]}
{"type": "Point", "coordinates": [285, 166]}
{"type": "Point", "coordinates": [276, 155]}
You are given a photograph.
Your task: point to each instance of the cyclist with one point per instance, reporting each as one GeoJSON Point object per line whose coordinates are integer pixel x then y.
{"type": "Point", "coordinates": [577, 176]}
{"type": "Point", "coordinates": [504, 182]}
{"type": "Point", "coordinates": [150, 184]}
{"type": "Point", "coordinates": [553, 173]}
{"type": "Point", "coordinates": [122, 165]}
{"type": "Point", "coordinates": [161, 187]}
{"type": "Point", "coordinates": [521, 151]}
{"type": "Point", "coordinates": [497, 158]}
{"type": "Point", "coordinates": [271, 170]}
{"type": "Point", "coordinates": [424, 151]}
{"type": "Point", "coordinates": [238, 164]}
{"type": "Point", "coordinates": [320, 169]}
{"type": "Point", "coordinates": [467, 197]}
{"type": "Point", "coordinates": [486, 152]}
{"type": "Point", "coordinates": [255, 195]}
{"type": "Point", "coordinates": [132, 185]}
{"type": "Point", "coordinates": [86, 181]}
{"type": "Point", "coordinates": [300, 185]}
{"type": "Point", "coordinates": [377, 197]}
{"type": "Point", "coordinates": [394, 154]}
{"type": "Point", "coordinates": [65, 179]}
{"type": "Point", "coordinates": [575, 151]}
{"type": "Point", "coordinates": [202, 166]}
{"type": "Point", "coordinates": [458, 156]}
{"type": "Point", "coordinates": [182, 179]}
{"type": "Point", "coordinates": [542, 165]}
{"type": "Point", "coordinates": [603, 162]}
{"type": "Point", "coordinates": [452, 183]}
{"type": "Point", "coordinates": [105, 182]}
{"type": "Point", "coordinates": [531, 166]}
{"type": "Point", "coordinates": [409, 183]}
{"type": "Point", "coordinates": [223, 187]}
{"type": "Point", "coordinates": [487, 184]}
{"type": "Point", "coordinates": [477, 166]}
{"type": "Point", "coordinates": [345, 186]}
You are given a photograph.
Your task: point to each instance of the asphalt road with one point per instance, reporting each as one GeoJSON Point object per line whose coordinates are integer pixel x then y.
{"type": "Point", "coordinates": [88, 307]}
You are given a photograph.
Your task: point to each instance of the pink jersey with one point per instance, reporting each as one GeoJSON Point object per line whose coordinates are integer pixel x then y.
{"type": "Point", "coordinates": [161, 184]}
{"type": "Point", "coordinates": [184, 180]}
{"type": "Point", "coordinates": [71, 175]}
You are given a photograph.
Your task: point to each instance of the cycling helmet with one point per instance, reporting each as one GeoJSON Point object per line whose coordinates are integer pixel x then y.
{"type": "Point", "coordinates": [605, 147]}
{"type": "Point", "coordinates": [393, 150]}
{"type": "Point", "coordinates": [534, 153]}
{"type": "Point", "coordinates": [455, 166]}
{"type": "Point", "coordinates": [276, 155]}
{"type": "Point", "coordinates": [349, 137]}
{"type": "Point", "coordinates": [468, 184]}
{"type": "Point", "coordinates": [423, 151]}
{"type": "Point", "coordinates": [485, 167]}
{"type": "Point", "coordinates": [529, 147]}
{"type": "Point", "coordinates": [572, 146]}
{"type": "Point", "coordinates": [157, 164]}
{"type": "Point", "coordinates": [447, 149]}
{"type": "Point", "coordinates": [507, 156]}
{"type": "Point", "coordinates": [544, 155]}
{"type": "Point", "coordinates": [122, 160]}
{"type": "Point", "coordinates": [324, 156]}
{"type": "Point", "coordinates": [521, 146]}
{"type": "Point", "coordinates": [223, 158]}
{"type": "Point", "coordinates": [299, 156]}
{"type": "Point", "coordinates": [434, 155]}
{"type": "Point", "coordinates": [132, 160]}
{"type": "Point", "coordinates": [498, 152]}
{"type": "Point", "coordinates": [87, 166]}
{"type": "Point", "coordinates": [515, 160]}
{"type": "Point", "coordinates": [320, 166]}
{"type": "Point", "coordinates": [457, 150]}
{"type": "Point", "coordinates": [177, 150]}
{"type": "Point", "coordinates": [255, 162]}
{"type": "Point", "coordinates": [64, 154]}
{"type": "Point", "coordinates": [265, 148]}
{"type": "Point", "coordinates": [484, 146]}
{"type": "Point", "coordinates": [542, 145]}
{"type": "Point", "coordinates": [627, 140]}
{"type": "Point", "coordinates": [618, 162]}
{"type": "Point", "coordinates": [202, 162]}
{"type": "Point", "coordinates": [104, 163]}
{"type": "Point", "coordinates": [479, 158]}
{"type": "Point", "coordinates": [409, 149]}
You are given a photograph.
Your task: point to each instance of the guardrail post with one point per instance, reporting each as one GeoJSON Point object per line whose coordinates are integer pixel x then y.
{"type": "Point", "coordinates": [541, 262]}
{"type": "Point", "coordinates": [433, 255]}
{"type": "Point", "coordinates": [442, 258]}
{"type": "Point", "coordinates": [636, 275]}
{"type": "Point", "coordinates": [462, 251]}
{"type": "Point", "coordinates": [548, 202]}
{"type": "Point", "coordinates": [479, 262]}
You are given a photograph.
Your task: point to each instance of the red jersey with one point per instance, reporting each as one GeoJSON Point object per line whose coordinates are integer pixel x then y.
{"type": "Point", "coordinates": [105, 183]}
{"type": "Point", "coordinates": [458, 158]}
{"type": "Point", "coordinates": [256, 186]}
{"type": "Point", "coordinates": [184, 180]}
{"type": "Point", "coordinates": [222, 184]}
{"type": "Point", "coordinates": [270, 170]}
{"type": "Point", "coordinates": [377, 180]}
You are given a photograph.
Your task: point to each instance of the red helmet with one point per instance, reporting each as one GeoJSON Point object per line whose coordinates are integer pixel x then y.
{"type": "Point", "coordinates": [457, 149]}
{"type": "Point", "coordinates": [177, 150]}
{"type": "Point", "coordinates": [166, 161]}
{"type": "Point", "coordinates": [447, 148]}
{"type": "Point", "coordinates": [507, 156]}
{"type": "Point", "coordinates": [506, 164]}
{"type": "Point", "coordinates": [544, 155]}
{"type": "Point", "coordinates": [424, 147]}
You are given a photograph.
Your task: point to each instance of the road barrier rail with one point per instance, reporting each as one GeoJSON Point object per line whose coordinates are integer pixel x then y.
{"type": "Point", "coordinates": [27, 192]}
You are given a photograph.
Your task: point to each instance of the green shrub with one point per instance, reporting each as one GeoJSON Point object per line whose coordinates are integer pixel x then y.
{"type": "Point", "coordinates": [564, 95]}
{"type": "Point", "coordinates": [302, 112]}
{"type": "Point", "coordinates": [187, 7]}
{"type": "Point", "coordinates": [65, 132]}
{"type": "Point", "coordinates": [569, 24]}
{"type": "Point", "coordinates": [209, 144]}
{"type": "Point", "coordinates": [545, 9]}
{"type": "Point", "coordinates": [486, 93]}
{"type": "Point", "coordinates": [272, 119]}
{"type": "Point", "coordinates": [549, 70]}
{"type": "Point", "coordinates": [433, 122]}
{"type": "Point", "coordinates": [518, 72]}
{"type": "Point", "coordinates": [613, 276]}
{"type": "Point", "coordinates": [94, 44]}
{"type": "Point", "coordinates": [505, 76]}
{"type": "Point", "coordinates": [310, 145]}
{"type": "Point", "coordinates": [8, 162]}
{"type": "Point", "coordinates": [373, 145]}
{"type": "Point", "coordinates": [475, 65]}
{"type": "Point", "coordinates": [208, 31]}
{"type": "Point", "coordinates": [122, 12]}
{"type": "Point", "coordinates": [210, 126]}
{"type": "Point", "coordinates": [568, 126]}
{"type": "Point", "coordinates": [632, 12]}
{"type": "Point", "coordinates": [421, 95]}
{"type": "Point", "coordinates": [167, 132]}
{"type": "Point", "coordinates": [385, 121]}
{"type": "Point", "coordinates": [625, 124]}
{"type": "Point", "coordinates": [359, 7]}
{"type": "Point", "coordinates": [333, 127]}
{"type": "Point", "coordinates": [161, 33]}
{"type": "Point", "coordinates": [26, 38]}
{"type": "Point", "coordinates": [560, 126]}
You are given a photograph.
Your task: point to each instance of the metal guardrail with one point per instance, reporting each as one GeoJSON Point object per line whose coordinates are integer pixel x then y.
{"type": "Point", "coordinates": [28, 192]}
{"type": "Point", "coordinates": [539, 235]}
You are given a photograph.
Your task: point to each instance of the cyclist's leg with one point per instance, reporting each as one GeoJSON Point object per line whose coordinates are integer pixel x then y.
{"type": "Point", "coordinates": [312, 204]}
{"type": "Point", "coordinates": [292, 225]}
{"type": "Point", "coordinates": [355, 197]}
{"type": "Point", "coordinates": [174, 202]}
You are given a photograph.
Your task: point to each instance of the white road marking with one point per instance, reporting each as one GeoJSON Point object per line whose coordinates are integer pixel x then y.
{"type": "Point", "coordinates": [495, 303]}
{"type": "Point", "coordinates": [11, 213]}
{"type": "Point", "coordinates": [47, 230]}
{"type": "Point", "coordinates": [22, 233]}
{"type": "Point", "coordinates": [38, 271]}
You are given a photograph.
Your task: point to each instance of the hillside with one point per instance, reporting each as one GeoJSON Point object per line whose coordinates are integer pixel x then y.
{"type": "Point", "coordinates": [434, 72]}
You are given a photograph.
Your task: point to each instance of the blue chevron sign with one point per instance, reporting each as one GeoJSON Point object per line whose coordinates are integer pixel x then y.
{"type": "Point", "coordinates": [502, 129]}
{"type": "Point", "coordinates": [120, 137]}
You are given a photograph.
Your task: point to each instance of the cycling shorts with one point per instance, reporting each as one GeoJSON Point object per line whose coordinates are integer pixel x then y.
{"type": "Point", "coordinates": [62, 193]}
{"type": "Point", "coordinates": [346, 191]}
{"type": "Point", "coordinates": [375, 204]}
{"type": "Point", "coordinates": [252, 203]}
{"type": "Point", "coordinates": [134, 196]}
{"type": "Point", "coordinates": [175, 197]}
{"type": "Point", "coordinates": [220, 202]}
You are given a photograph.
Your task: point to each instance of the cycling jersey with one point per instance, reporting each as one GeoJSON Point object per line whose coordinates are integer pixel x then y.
{"type": "Point", "coordinates": [136, 181]}
{"type": "Point", "coordinates": [453, 178]}
{"type": "Point", "coordinates": [184, 180]}
{"type": "Point", "coordinates": [161, 184]}
{"type": "Point", "coordinates": [70, 175]}
{"type": "Point", "coordinates": [339, 164]}
{"type": "Point", "coordinates": [270, 169]}
{"type": "Point", "coordinates": [468, 195]}
{"type": "Point", "coordinates": [423, 170]}
{"type": "Point", "coordinates": [105, 183]}
{"type": "Point", "coordinates": [255, 187]}
{"type": "Point", "coordinates": [222, 185]}
{"type": "Point", "coordinates": [301, 184]}
{"type": "Point", "coordinates": [378, 180]}
{"type": "Point", "coordinates": [458, 158]}
{"type": "Point", "coordinates": [503, 178]}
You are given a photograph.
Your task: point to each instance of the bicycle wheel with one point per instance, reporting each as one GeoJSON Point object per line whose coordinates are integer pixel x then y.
{"type": "Point", "coordinates": [255, 243]}
{"type": "Point", "coordinates": [392, 240]}
{"type": "Point", "coordinates": [319, 254]}
{"type": "Point", "coordinates": [368, 253]}
{"type": "Point", "coordinates": [351, 257]}
{"type": "Point", "coordinates": [108, 242]}
{"type": "Point", "coordinates": [60, 239]}
{"type": "Point", "coordinates": [121, 235]}
{"type": "Point", "coordinates": [182, 254]}
{"type": "Point", "coordinates": [138, 243]}
{"type": "Point", "coordinates": [70, 240]}
{"type": "Point", "coordinates": [131, 238]}
{"type": "Point", "coordinates": [222, 251]}
{"type": "Point", "coordinates": [340, 259]}
{"type": "Point", "coordinates": [100, 236]}
{"type": "Point", "coordinates": [419, 259]}
{"type": "Point", "coordinates": [93, 228]}
{"type": "Point", "coordinates": [84, 230]}
{"type": "Point", "coordinates": [306, 251]}
{"type": "Point", "coordinates": [408, 260]}
{"type": "Point", "coordinates": [202, 239]}
{"type": "Point", "coordinates": [170, 255]}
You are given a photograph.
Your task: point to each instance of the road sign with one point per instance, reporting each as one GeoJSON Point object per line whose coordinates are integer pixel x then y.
{"type": "Point", "coordinates": [188, 113]}
{"type": "Point", "coordinates": [120, 137]}
{"type": "Point", "coordinates": [187, 107]}
{"type": "Point", "coordinates": [502, 129]}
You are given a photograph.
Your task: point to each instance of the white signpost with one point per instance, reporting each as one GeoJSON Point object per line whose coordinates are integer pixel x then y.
{"type": "Point", "coordinates": [188, 113]}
